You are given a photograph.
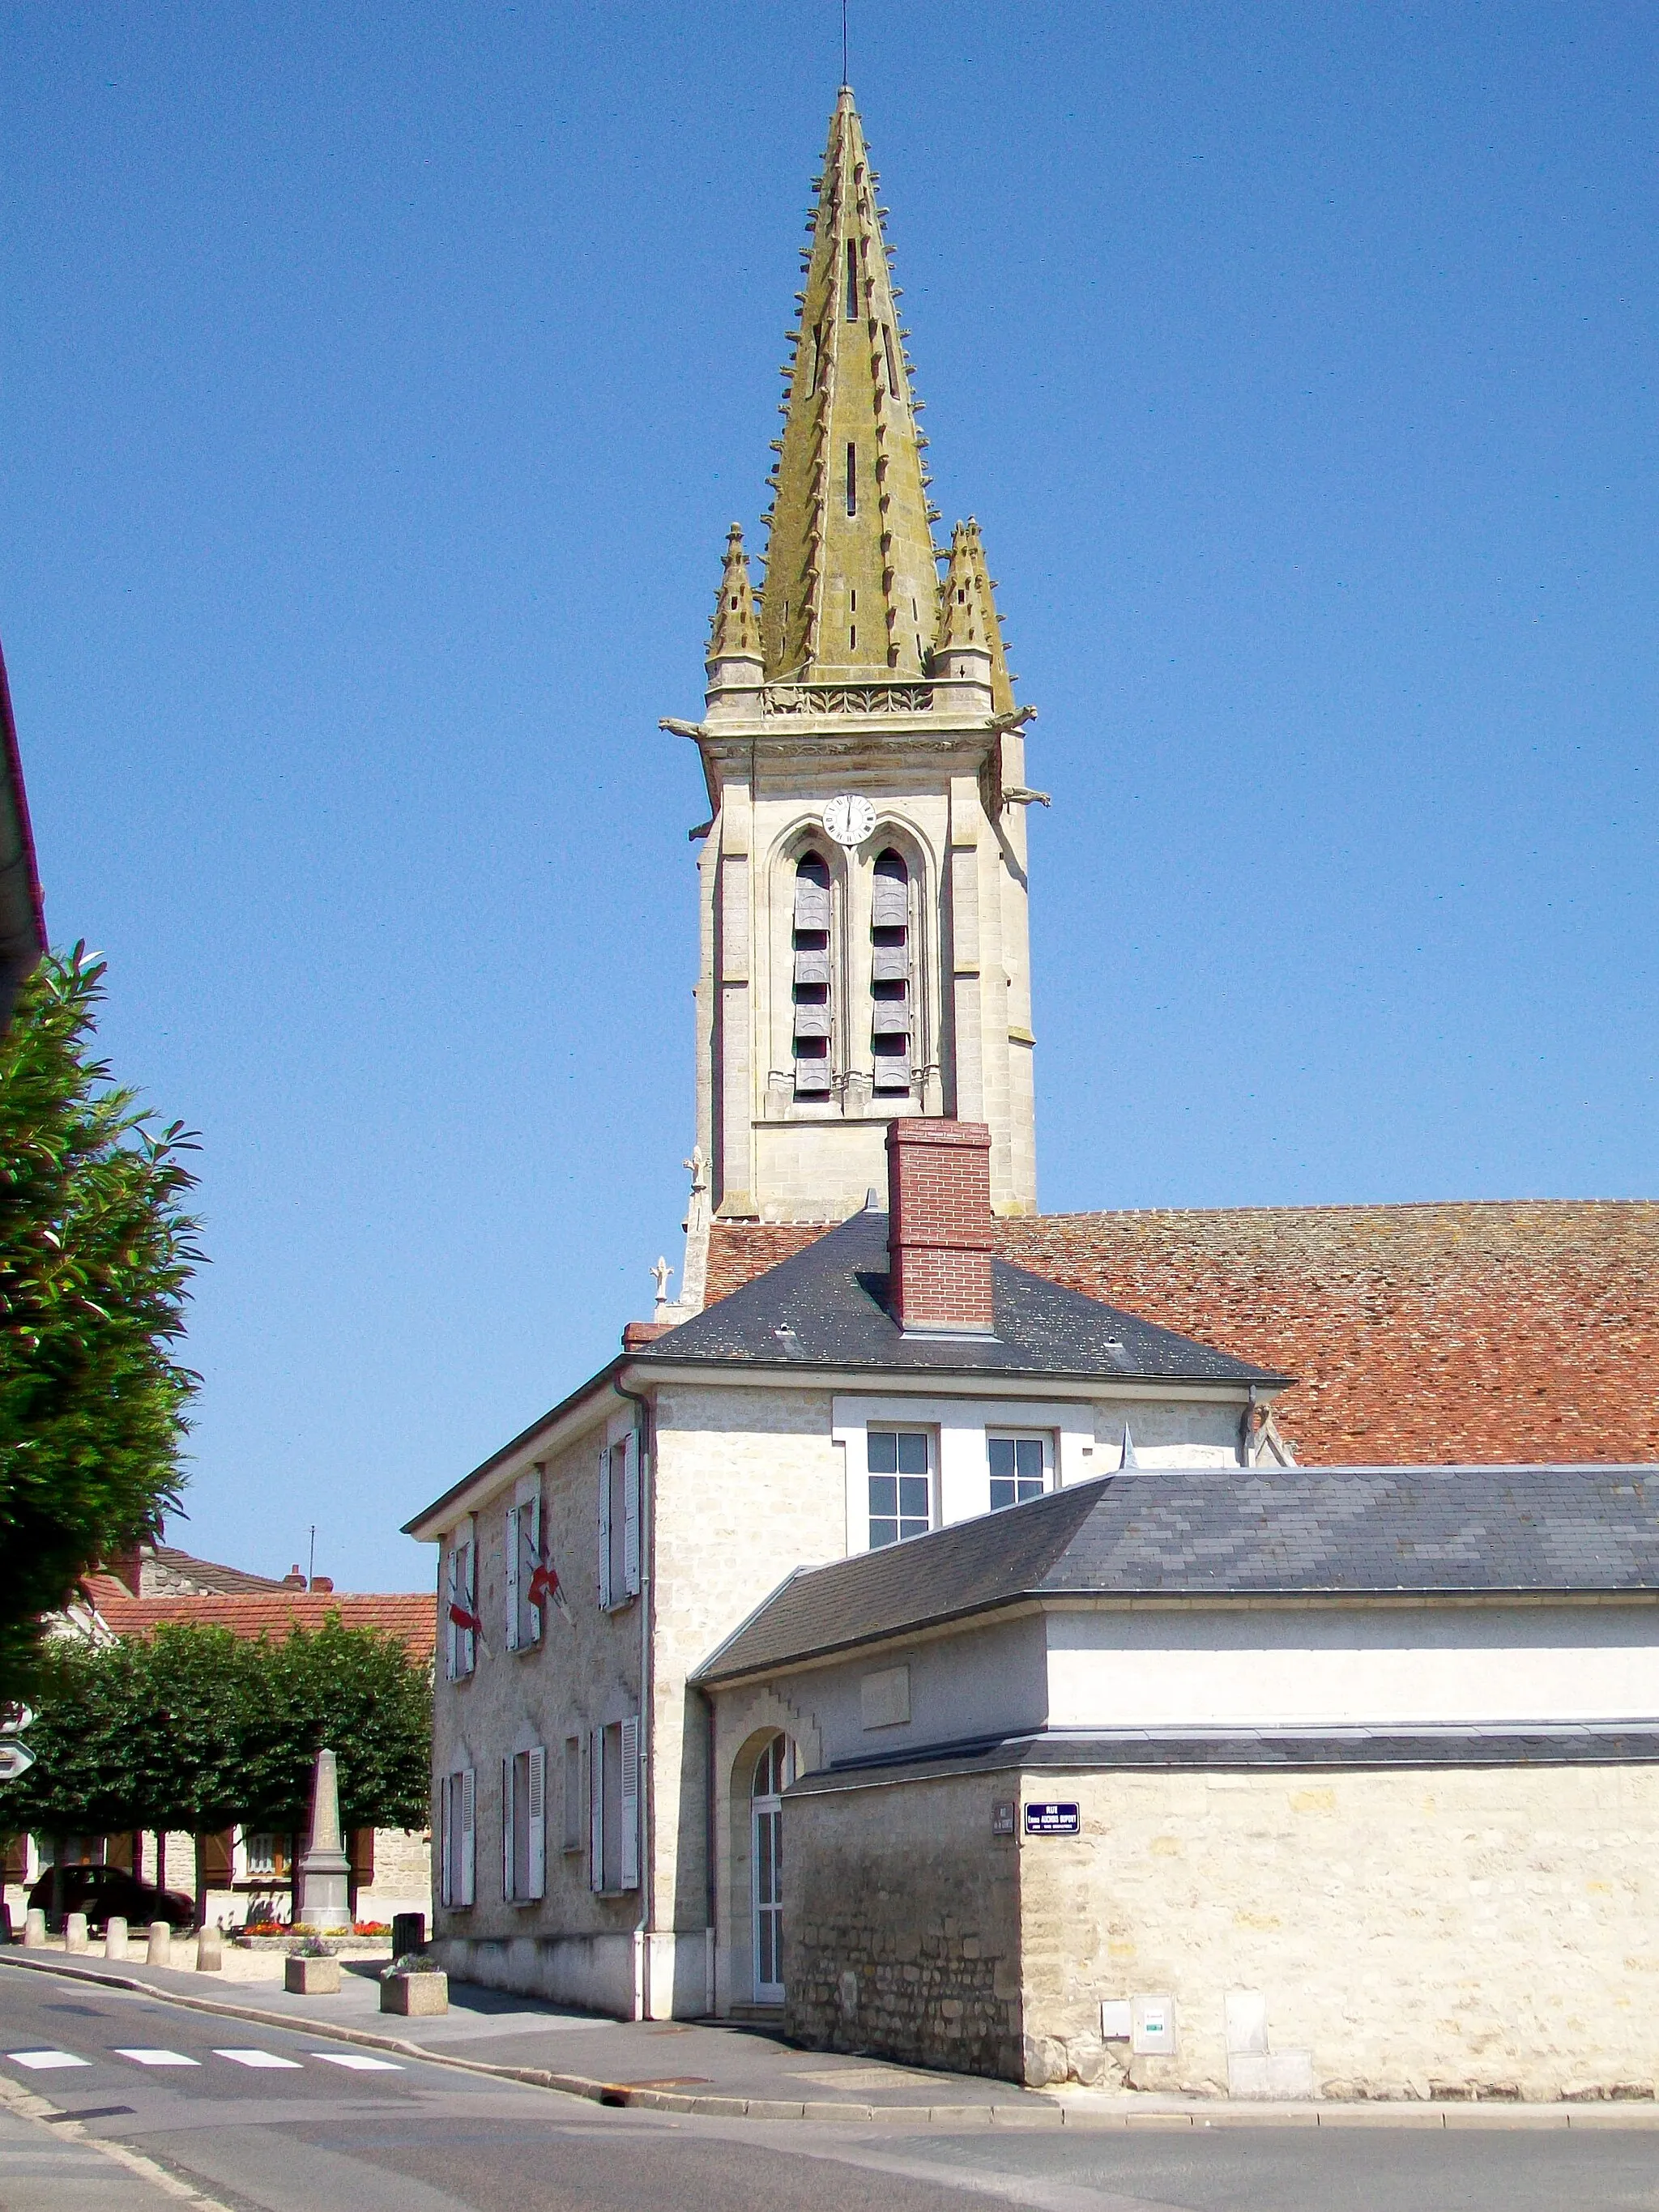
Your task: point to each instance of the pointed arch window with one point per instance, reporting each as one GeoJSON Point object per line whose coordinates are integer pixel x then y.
{"type": "Point", "coordinates": [852, 282]}
{"type": "Point", "coordinates": [892, 1010]}
{"type": "Point", "coordinates": [810, 939]}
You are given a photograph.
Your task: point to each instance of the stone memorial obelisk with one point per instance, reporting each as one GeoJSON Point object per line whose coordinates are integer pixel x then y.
{"type": "Point", "coordinates": [325, 1869]}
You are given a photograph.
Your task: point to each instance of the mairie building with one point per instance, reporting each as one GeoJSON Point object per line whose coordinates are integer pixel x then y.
{"type": "Point", "coordinates": [1208, 1651]}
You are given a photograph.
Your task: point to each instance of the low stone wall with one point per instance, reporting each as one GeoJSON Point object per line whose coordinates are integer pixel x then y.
{"type": "Point", "coordinates": [1488, 1932]}
{"type": "Point", "coordinates": [901, 1913]}
{"type": "Point", "coordinates": [593, 1971]}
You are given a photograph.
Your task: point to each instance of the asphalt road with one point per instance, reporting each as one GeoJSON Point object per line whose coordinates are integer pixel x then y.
{"type": "Point", "coordinates": [302, 2125]}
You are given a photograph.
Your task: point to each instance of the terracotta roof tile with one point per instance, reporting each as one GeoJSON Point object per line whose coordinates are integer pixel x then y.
{"type": "Point", "coordinates": [1494, 1333]}
{"type": "Point", "coordinates": [412, 1617]}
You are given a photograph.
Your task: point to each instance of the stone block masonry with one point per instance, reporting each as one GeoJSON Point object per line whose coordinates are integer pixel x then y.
{"type": "Point", "coordinates": [1483, 1932]}
{"type": "Point", "coordinates": [904, 1941]}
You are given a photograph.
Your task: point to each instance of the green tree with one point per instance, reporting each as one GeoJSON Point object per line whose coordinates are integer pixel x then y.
{"type": "Point", "coordinates": [194, 1728]}
{"type": "Point", "coordinates": [96, 1254]}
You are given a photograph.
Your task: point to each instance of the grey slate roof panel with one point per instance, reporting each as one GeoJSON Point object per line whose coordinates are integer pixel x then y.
{"type": "Point", "coordinates": [1233, 1532]}
{"type": "Point", "coordinates": [825, 1307]}
{"type": "Point", "coordinates": [1294, 1750]}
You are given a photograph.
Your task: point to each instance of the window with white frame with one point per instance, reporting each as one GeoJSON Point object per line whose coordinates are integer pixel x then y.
{"type": "Point", "coordinates": [614, 1807]}
{"type": "Point", "coordinates": [461, 1600]}
{"type": "Point", "coordinates": [524, 1825]}
{"type": "Point", "coordinates": [523, 1556]}
{"type": "Point", "coordinates": [1022, 1467]}
{"type": "Point", "coordinates": [619, 1522]}
{"type": "Point", "coordinates": [900, 1464]}
{"type": "Point", "coordinates": [457, 1812]}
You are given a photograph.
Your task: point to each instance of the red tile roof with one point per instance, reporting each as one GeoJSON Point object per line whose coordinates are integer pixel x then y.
{"type": "Point", "coordinates": [1495, 1332]}
{"type": "Point", "coordinates": [412, 1618]}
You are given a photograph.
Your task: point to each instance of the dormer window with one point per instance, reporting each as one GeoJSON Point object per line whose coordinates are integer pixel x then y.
{"type": "Point", "coordinates": [891, 1008]}
{"type": "Point", "coordinates": [810, 940]}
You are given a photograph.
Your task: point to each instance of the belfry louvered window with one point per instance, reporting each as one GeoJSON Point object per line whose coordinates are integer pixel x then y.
{"type": "Point", "coordinates": [893, 1014]}
{"type": "Point", "coordinates": [811, 1009]}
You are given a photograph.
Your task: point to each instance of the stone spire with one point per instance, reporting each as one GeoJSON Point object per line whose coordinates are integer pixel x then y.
{"type": "Point", "coordinates": [851, 580]}
{"type": "Point", "coordinates": [734, 634]}
{"type": "Point", "coordinates": [968, 619]}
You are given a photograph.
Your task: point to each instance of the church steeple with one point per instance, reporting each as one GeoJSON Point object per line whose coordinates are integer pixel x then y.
{"type": "Point", "coordinates": [851, 581]}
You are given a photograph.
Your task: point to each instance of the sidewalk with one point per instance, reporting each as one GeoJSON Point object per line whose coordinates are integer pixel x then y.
{"type": "Point", "coordinates": [728, 2070]}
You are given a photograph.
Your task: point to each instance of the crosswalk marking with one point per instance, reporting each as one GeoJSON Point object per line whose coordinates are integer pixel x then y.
{"type": "Point", "coordinates": [39, 2061]}
{"type": "Point", "coordinates": [144, 2057]}
{"type": "Point", "coordinates": [357, 2061]}
{"type": "Point", "coordinates": [257, 2058]}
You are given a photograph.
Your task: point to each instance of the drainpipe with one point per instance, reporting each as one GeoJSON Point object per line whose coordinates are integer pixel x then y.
{"type": "Point", "coordinates": [642, 1430]}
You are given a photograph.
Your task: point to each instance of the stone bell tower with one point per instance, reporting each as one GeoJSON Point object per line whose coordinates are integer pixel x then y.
{"type": "Point", "coordinates": [865, 945]}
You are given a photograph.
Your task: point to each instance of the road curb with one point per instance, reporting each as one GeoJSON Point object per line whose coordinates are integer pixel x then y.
{"type": "Point", "coordinates": [1198, 2114]}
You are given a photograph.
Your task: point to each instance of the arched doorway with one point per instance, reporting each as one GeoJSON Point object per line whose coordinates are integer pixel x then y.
{"type": "Point", "coordinates": [775, 1770]}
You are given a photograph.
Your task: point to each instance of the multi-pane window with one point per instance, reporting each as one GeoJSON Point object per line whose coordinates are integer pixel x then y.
{"type": "Point", "coordinates": [900, 1485]}
{"type": "Point", "coordinates": [1018, 1470]}
{"type": "Point", "coordinates": [892, 1020]}
{"type": "Point", "coordinates": [812, 1011]}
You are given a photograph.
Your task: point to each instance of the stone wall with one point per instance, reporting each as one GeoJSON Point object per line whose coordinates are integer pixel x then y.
{"type": "Point", "coordinates": [900, 1912]}
{"type": "Point", "coordinates": [1460, 1931]}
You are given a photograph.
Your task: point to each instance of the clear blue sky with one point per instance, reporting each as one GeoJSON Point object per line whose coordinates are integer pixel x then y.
{"type": "Point", "coordinates": [379, 383]}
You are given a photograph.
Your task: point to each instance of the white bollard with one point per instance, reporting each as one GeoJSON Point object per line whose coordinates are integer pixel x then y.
{"type": "Point", "coordinates": [74, 1931]}
{"type": "Point", "coordinates": [209, 1952]}
{"type": "Point", "coordinates": [34, 1929]}
{"type": "Point", "coordinates": [115, 1937]}
{"type": "Point", "coordinates": [160, 1944]}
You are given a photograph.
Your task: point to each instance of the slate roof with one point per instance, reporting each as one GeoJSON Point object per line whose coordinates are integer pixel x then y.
{"type": "Point", "coordinates": [1296, 1750]}
{"type": "Point", "coordinates": [1232, 1532]}
{"type": "Point", "coordinates": [1432, 1335]}
{"type": "Point", "coordinates": [824, 1307]}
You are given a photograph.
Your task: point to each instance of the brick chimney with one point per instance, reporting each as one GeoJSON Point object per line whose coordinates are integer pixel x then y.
{"type": "Point", "coordinates": [939, 1226]}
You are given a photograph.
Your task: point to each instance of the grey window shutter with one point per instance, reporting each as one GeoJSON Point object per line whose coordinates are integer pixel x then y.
{"type": "Point", "coordinates": [596, 1810]}
{"type": "Point", "coordinates": [811, 965]}
{"type": "Point", "coordinates": [890, 1017]}
{"type": "Point", "coordinates": [813, 1075]}
{"type": "Point", "coordinates": [630, 1803]}
{"type": "Point", "coordinates": [510, 1562]}
{"type": "Point", "coordinates": [507, 1828]}
{"type": "Point", "coordinates": [538, 1883]}
{"type": "Point", "coordinates": [631, 1516]}
{"type": "Point", "coordinates": [468, 1809]}
{"type": "Point", "coordinates": [889, 963]}
{"type": "Point", "coordinates": [812, 1021]}
{"type": "Point", "coordinates": [604, 1527]}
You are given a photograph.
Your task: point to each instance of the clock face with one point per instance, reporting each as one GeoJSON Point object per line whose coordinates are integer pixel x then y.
{"type": "Point", "coordinates": [849, 820]}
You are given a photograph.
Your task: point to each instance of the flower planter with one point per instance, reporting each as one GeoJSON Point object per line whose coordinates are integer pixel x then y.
{"type": "Point", "coordinates": [311, 1978]}
{"type": "Point", "coordinates": [414, 1995]}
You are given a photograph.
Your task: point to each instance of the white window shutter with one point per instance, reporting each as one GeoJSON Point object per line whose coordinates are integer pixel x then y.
{"type": "Point", "coordinates": [452, 1634]}
{"type": "Point", "coordinates": [445, 1846]}
{"type": "Point", "coordinates": [507, 1829]}
{"type": "Point", "coordinates": [604, 1527]}
{"type": "Point", "coordinates": [596, 1810]}
{"type": "Point", "coordinates": [537, 1887]}
{"type": "Point", "coordinates": [510, 1562]}
{"type": "Point", "coordinates": [529, 1555]}
{"type": "Point", "coordinates": [630, 1803]}
{"type": "Point", "coordinates": [468, 1855]}
{"type": "Point", "coordinates": [631, 1516]}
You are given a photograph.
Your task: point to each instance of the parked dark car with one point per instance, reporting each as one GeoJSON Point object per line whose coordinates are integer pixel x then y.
{"type": "Point", "coordinates": [99, 1890]}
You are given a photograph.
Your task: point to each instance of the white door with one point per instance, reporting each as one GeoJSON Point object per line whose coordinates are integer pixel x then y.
{"type": "Point", "coordinates": [775, 1770]}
